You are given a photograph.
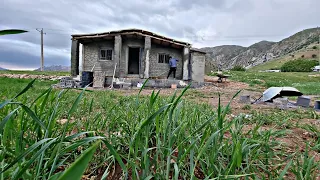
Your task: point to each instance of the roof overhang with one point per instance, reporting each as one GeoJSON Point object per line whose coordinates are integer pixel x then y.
{"type": "Point", "coordinates": [110, 34]}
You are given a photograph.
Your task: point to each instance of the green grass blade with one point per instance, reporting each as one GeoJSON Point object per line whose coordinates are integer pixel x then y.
{"type": "Point", "coordinates": [285, 170]}
{"type": "Point", "coordinates": [45, 92]}
{"type": "Point", "coordinates": [12, 31]}
{"type": "Point", "coordinates": [143, 85]}
{"type": "Point", "coordinates": [73, 108]}
{"type": "Point", "coordinates": [30, 84]}
{"type": "Point", "coordinates": [211, 138]}
{"type": "Point", "coordinates": [75, 104]}
{"type": "Point", "coordinates": [24, 154]}
{"type": "Point", "coordinates": [149, 177]}
{"type": "Point", "coordinates": [77, 168]}
{"type": "Point", "coordinates": [33, 116]}
{"type": "Point", "coordinates": [116, 155]}
{"type": "Point", "coordinates": [35, 156]}
{"type": "Point", "coordinates": [4, 121]}
{"type": "Point", "coordinates": [45, 100]}
{"type": "Point", "coordinates": [69, 138]}
{"type": "Point", "coordinates": [81, 142]}
{"type": "Point", "coordinates": [56, 176]}
{"type": "Point", "coordinates": [91, 105]}
{"type": "Point", "coordinates": [19, 94]}
{"type": "Point", "coordinates": [176, 171]}
{"type": "Point", "coordinates": [149, 120]}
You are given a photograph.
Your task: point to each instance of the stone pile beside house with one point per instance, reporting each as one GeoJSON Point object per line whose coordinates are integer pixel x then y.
{"type": "Point", "coordinates": [31, 76]}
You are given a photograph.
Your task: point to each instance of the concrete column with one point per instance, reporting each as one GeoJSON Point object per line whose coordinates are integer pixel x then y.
{"type": "Point", "coordinates": [147, 47]}
{"type": "Point", "coordinates": [74, 58]}
{"type": "Point", "coordinates": [185, 71]}
{"type": "Point", "coordinates": [117, 54]}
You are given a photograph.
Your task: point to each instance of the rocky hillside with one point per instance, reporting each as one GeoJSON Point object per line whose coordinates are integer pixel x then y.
{"type": "Point", "coordinates": [221, 54]}
{"type": "Point", "coordinates": [261, 52]}
{"type": "Point", "coordinates": [55, 68]}
{"type": "Point", "coordinates": [257, 51]}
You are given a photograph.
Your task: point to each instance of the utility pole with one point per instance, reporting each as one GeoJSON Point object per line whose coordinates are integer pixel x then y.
{"type": "Point", "coordinates": [42, 59]}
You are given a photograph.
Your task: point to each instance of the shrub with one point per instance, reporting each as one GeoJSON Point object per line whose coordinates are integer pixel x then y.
{"type": "Point", "coordinates": [314, 56]}
{"type": "Point", "coordinates": [299, 65]}
{"type": "Point", "coordinates": [238, 68]}
{"type": "Point", "coordinates": [314, 47]}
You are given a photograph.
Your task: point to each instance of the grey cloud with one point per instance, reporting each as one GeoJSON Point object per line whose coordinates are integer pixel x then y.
{"type": "Point", "coordinates": [215, 21]}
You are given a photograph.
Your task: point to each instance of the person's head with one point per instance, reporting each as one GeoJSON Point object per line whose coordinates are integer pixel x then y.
{"type": "Point", "coordinates": [170, 57]}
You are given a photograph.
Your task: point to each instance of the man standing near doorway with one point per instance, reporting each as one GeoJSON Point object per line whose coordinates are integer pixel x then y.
{"type": "Point", "coordinates": [173, 66]}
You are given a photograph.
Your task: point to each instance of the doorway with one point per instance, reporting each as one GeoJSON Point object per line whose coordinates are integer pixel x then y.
{"type": "Point", "coordinates": [134, 60]}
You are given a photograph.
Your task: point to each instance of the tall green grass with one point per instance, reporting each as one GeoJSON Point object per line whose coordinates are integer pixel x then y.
{"type": "Point", "coordinates": [141, 137]}
{"type": "Point", "coordinates": [300, 80]}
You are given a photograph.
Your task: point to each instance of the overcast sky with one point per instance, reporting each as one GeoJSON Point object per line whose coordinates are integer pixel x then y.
{"type": "Point", "coordinates": [200, 22]}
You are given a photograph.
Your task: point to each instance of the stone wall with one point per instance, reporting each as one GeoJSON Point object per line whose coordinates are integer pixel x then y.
{"type": "Point", "coordinates": [91, 57]}
{"type": "Point", "coordinates": [162, 69]}
{"type": "Point", "coordinates": [198, 66]}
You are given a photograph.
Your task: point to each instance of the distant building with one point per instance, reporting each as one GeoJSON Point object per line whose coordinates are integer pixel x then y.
{"type": "Point", "coordinates": [136, 54]}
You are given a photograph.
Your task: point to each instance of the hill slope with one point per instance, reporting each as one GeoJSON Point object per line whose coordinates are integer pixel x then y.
{"type": "Point", "coordinates": [261, 52]}
{"type": "Point", "coordinates": [221, 54]}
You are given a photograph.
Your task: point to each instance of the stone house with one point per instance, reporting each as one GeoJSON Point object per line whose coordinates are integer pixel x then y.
{"type": "Point", "coordinates": [134, 53]}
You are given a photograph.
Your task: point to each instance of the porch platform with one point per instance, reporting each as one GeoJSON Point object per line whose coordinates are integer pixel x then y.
{"type": "Point", "coordinates": [152, 83]}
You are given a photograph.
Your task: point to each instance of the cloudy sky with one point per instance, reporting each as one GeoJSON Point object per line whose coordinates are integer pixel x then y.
{"type": "Point", "coordinates": [201, 22]}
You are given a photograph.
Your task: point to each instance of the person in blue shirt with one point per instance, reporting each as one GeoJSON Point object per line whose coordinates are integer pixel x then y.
{"type": "Point", "coordinates": [173, 66]}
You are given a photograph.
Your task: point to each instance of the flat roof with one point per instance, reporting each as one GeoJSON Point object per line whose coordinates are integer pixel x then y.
{"type": "Point", "coordinates": [128, 32]}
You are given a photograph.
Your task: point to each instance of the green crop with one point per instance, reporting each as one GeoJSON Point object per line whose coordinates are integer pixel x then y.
{"type": "Point", "coordinates": [52, 134]}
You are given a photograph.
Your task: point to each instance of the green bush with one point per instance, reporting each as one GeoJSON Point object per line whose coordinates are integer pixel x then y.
{"type": "Point", "coordinates": [299, 65]}
{"type": "Point", "coordinates": [314, 47]}
{"type": "Point", "coordinates": [238, 68]}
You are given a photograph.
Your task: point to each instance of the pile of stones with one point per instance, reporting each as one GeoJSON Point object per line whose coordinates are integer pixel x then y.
{"type": "Point", "coordinates": [68, 82]}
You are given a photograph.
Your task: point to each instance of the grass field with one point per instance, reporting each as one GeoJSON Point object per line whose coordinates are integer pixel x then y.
{"type": "Point", "coordinates": [307, 83]}
{"type": "Point", "coordinates": [48, 133]}
{"type": "Point", "coordinates": [49, 73]}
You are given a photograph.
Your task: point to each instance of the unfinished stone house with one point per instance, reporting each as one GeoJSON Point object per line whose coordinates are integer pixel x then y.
{"type": "Point", "coordinates": [134, 54]}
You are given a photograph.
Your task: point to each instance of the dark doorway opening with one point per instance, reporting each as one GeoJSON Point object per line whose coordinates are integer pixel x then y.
{"type": "Point", "coordinates": [134, 59]}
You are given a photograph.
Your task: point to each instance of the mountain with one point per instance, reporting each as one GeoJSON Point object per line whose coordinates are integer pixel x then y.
{"type": "Point", "coordinates": [55, 68]}
{"type": "Point", "coordinates": [3, 69]}
{"type": "Point", "coordinates": [255, 52]}
{"type": "Point", "coordinates": [221, 54]}
{"type": "Point", "coordinates": [230, 55]}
